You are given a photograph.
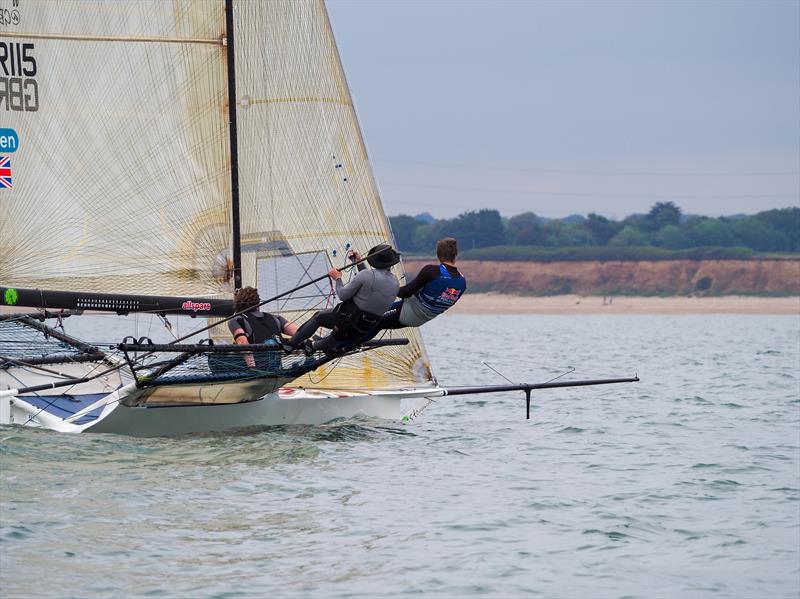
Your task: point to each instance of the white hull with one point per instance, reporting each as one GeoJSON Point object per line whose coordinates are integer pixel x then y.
{"type": "Point", "coordinates": [289, 406]}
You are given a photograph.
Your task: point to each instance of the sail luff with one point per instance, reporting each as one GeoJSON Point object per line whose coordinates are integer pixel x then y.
{"type": "Point", "coordinates": [236, 249]}
{"type": "Point", "coordinates": [346, 92]}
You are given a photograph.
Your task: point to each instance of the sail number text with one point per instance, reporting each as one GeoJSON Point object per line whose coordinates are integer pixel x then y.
{"type": "Point", "coordinates": [18, 87]}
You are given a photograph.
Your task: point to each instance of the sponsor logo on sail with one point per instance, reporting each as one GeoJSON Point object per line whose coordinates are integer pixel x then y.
{"type": "Point", "coordinates": [5, 173]}
{"type": "Point", "coordinates": [10, 16]}
{"type": "Point", "coordinates": [191, 306]}
{"type": "Point", "coordinates": [9, 140]}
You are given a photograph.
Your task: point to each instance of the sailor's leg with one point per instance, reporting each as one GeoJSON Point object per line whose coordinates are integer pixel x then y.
{"type": "Point", "coordinates": [337, 343]}
{"type": "Point", "coordinates": [391, 318]}
{"type": "Point", "coordinates": [323, 318]}
{"type": "Point", "coordinates": [326, 344]}
{"type": "Point", "coordinates": [411, 315]}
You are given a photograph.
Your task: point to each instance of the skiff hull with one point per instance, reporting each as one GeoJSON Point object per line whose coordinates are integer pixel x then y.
{"type": "Point", "coordinates": [285, 407]}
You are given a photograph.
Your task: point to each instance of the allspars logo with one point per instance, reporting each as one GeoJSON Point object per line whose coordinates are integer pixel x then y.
{"type": "Point", "coordinates": [191, 306]}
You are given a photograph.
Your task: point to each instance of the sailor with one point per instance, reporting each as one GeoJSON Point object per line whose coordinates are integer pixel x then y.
{"type": "Point", "coordinates": [254, 326]}
{"type": "Point", "coordinates": [364, 300]}
{"type": "Point", "coordinates": [434, 290]}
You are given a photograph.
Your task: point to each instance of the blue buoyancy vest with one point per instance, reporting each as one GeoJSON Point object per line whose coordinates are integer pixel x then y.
{"type": "Point", "coordinates": [441, 293]}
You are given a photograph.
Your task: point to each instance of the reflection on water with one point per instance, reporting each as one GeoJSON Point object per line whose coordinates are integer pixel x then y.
{"type": "Point", "coordinates": [685, 484]}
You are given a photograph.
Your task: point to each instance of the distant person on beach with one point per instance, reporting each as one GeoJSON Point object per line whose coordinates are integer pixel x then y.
{"type": "Point", "coordinates": [434, 290]}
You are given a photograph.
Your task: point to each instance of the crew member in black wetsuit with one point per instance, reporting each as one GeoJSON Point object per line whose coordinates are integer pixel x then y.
{"type": "Point", "coordinates": [435, 289]}
{"type": "Point", "coordinates": [364, 300]}
{"type": "Point", "coordinates": [255, 326]}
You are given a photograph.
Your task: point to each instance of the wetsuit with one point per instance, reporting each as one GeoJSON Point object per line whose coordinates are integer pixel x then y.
{"type": "Point", "coordinates": [258, 326]}
{"type": "Point", "coordinates": [355, 319]}
{"type": "Point", "coordinates": [436, 288]}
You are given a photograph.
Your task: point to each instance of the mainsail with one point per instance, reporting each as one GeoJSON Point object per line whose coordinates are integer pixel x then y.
{"type": "Point", "coordinates": [123, 172]}
{"type": "Point", "coordinates": [121, 178]}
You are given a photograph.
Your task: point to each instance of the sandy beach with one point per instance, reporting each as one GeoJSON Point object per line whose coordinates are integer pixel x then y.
{"type": "Point", "coordinates": [496, 303]}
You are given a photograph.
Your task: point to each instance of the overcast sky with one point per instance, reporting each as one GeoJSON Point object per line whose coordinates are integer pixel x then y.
{"type": "Point", "coordinates": [575, 107]}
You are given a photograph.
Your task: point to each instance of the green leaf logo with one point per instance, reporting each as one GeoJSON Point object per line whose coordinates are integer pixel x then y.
{"type": "Point", "coordinates": [11, 296]}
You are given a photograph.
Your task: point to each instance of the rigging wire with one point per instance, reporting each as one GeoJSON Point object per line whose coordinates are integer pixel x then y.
{"type": "Point", "coordinates": [570, 371]}
{"type": "Point", "coordinates": [490, 367]}
{"type": "Point", "coordinates": [593, 172]}
{"type": "Point", "coordinates": [546, 193]}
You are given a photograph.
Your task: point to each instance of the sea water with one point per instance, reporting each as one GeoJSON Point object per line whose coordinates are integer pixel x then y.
{"type": "Point", "coordinates": [686, 484]}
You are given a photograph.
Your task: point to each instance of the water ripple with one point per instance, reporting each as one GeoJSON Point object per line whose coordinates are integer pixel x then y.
{"type": "Point", "coordinates": [684, 485]}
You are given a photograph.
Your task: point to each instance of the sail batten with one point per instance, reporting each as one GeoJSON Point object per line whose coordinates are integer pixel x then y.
{"type": "Point", "coordinates": [307, 100]}
{"type": "Point", "coordinates": [111, 38]}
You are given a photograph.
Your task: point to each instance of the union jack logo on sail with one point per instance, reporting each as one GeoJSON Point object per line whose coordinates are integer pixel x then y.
{"type": "Point", "coordinates": [5, 173]}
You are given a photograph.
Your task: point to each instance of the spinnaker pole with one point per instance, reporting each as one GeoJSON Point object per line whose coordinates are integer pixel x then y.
{"type": "Point", "coordinates": [231, 56]}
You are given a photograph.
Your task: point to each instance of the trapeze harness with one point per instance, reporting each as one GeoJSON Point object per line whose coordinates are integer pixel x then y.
{"type": "Point", "coordinates": [352, 321]}
{"type": "Point", "coordinates": [441, 293]}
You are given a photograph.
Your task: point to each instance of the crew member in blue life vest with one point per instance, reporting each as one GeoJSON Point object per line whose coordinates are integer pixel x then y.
{"type": "Point", "coordinates": [364, 300]}
{"type": "Point", "coordinates": [255, 326]}
{"type": "Point", "coordinates": [435, 289]}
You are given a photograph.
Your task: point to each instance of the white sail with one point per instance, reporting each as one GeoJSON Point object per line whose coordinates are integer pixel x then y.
{"type": "Point", "coordinates": [122, 175]}
{"type": "Point", "coordinates": [305, 178]}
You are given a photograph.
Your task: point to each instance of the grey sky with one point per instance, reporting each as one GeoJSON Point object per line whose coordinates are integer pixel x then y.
{"type": "Point", "coordinates": [563, 107]}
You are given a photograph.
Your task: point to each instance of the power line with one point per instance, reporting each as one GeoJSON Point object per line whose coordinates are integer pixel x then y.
{"type": "Point", "coordinates": [590, 172]}
{"type": "Point", "coordinates": [532, 192]}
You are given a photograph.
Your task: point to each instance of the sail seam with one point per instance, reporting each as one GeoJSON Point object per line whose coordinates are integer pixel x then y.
{"type": "Point", "coordinates": [108, 38]}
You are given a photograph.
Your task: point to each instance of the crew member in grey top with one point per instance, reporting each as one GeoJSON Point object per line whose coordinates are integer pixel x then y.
{"type": "Point", "coordinates": [364, 300]}
{"type": "Point", "coordinates": [372, 290]}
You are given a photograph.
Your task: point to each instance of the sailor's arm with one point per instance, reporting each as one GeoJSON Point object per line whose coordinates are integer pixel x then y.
{"type": "Point", "coordinates": [355, 257]}
{"type": "Point", "coordinates": [240, 338]}
{"type": "Point", "coordinates": [425, 276]}
{"type": "Point", "coordinates": [345, 292]}
{"type": "Point", "coordinates": [287, 328]}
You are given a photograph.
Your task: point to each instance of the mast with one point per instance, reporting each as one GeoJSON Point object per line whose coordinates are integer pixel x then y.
{"type": "Point", "coordinates": [236, 245]}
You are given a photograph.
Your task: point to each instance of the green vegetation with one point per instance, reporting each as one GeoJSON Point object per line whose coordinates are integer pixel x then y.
{"type": "Point", "coordinates": [664, 233]}
{"type": "Point", "coordinates": [606, 253]}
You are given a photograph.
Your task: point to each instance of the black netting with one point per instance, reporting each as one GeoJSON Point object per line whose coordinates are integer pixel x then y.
{"type": "Point", "coordinates": [231, 366]}
{"type": "Point", "coordinates": [20, 341]}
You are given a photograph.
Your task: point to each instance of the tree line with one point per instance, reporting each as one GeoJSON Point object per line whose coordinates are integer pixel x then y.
{"type": "Point", "coordinates": [664, 226]}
